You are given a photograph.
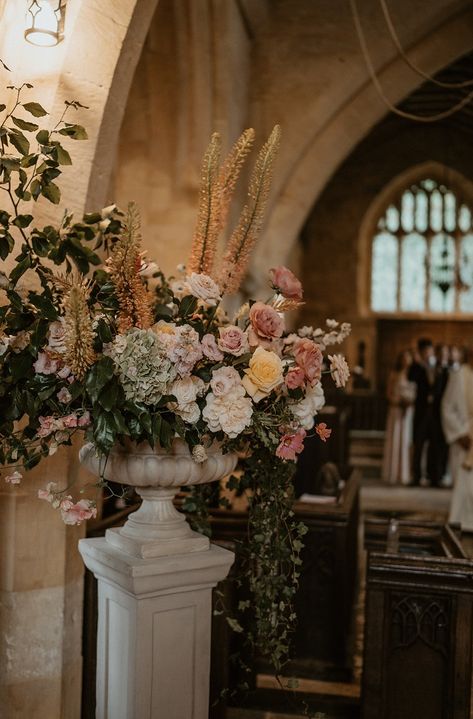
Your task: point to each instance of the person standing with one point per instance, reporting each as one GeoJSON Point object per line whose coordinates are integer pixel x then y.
{"type": "Point", "coordinates": [422, 373]}
{"type": "Point", "coordinates": [457, 419]}
{"type": "Point", "coordinates": [439, 446]}
{"type": "Point", "coordinates": [397, 448]}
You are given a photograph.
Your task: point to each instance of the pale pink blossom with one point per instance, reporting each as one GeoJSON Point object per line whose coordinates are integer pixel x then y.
{"type": "Point", "coordinates": [77, 513]}
{"type": "Point", "coordinates": [266, 324]}
{"type": "Point", "coordinates": [50, 494]}
{"type": "Point", "coordinates": [47, 426]}
{"type": "Point", "coordinates": [84, 420]}
{"type": "Point", "coordinates": [339, 370]}
{"type": "Point", "coordinates": [186, 351]}
{"type": "Point", "coordinates": [286, 282]}
{"type": "Point", "coordinates": [64, 396]}
{"type": "Point", "coordinates": [305, 410]}
{"type": "Point", "coordinates": [230, 413]}
{"type": "Point", "coordinates": [323, 431]}
{"type": "Point", "coordinates": [295, 378]}
{"type": "Point", "coordinates": [45, 364]}
{"type": "Point", "coordinates": [309, 357]}
{"type": "Point", "coordinates": [57, 336]}
{"type": "Point", "coordinates": [233, 340]}
{"type": "Point", "coordinates": [210, 348]}
{"type": "Point", "coordinates": [291, 445]}
{"type": "Point", "coordinates": [14, 478]}
{"type": "Point", "coordinates": [224, 380]}
{"type": "Point", "coordinates": [70, 421]}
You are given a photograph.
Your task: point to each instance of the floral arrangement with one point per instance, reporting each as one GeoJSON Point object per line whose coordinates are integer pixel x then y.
{"type": "Point", "coordinates": [94, 338]}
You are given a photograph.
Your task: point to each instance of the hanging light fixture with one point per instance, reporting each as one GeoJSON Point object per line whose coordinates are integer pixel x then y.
{"type": "Point", "coordinates": [45, 22]}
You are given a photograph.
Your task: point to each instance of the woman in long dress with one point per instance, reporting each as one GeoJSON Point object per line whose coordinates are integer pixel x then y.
{"type": "Point", "coordinates": [397, 447]}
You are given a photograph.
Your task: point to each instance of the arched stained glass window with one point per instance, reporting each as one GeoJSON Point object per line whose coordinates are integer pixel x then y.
{"type": "Point", "coordinates": [422, 252]}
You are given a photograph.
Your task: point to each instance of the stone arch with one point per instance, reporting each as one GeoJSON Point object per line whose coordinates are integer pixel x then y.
{"type": "Point", "coordinates": [305, 177]}
{"type": "Point", "coordinates": [460, 184]}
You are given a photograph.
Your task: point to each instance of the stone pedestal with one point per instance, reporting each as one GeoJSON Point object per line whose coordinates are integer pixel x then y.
{"type": "Point", "coordinates": [153, 654]}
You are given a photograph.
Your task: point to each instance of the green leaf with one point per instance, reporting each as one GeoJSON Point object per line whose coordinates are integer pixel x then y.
{"type": "Point", "coordinates": [98, 376]}
{"type": "Point", "coordinates": [92, 217]}
{"type": "Point", "coordinates": [20, 142]}
{"type": "Point", "coordinates": [7, 243]}
{"type": "Point", "coordinates": [51, 192]}
{"type": "Point", "coordinates": [24, 125]}
{"type": "Point", "coordinates": [62, 155]}
{"type": "Point", "coordinates": [35, 188]}
{"type": "Point", "coordinates": [104, 332]}
{"type": "Point", "coordinates": [76, 132]}
{"type": "Point", "coordinates": [41, 245]}
{"type": "Point", "coordinates": [20, 269]}
{"type": "Point", "coordinates": [22, 220]}
{"type": "Point", "coordinates": [43, 137]}
{"type": "Point", "coordinates": [21, 366]}
{"type": "Point", "coordinates": [35, 109]}
{"type": "Point", "coordinates": [166, 434]}
{"type": "Point", "coordinates": [188, 306]}
{"type": "Point", "coordinates": [109, 395]}
{"type": "Point", "coordinates": [104, 431]}
{"type": "Point", "coordinates": [29, 160]}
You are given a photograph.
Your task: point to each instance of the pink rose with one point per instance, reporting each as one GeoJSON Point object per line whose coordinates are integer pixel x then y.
{"type": "Point", "coordinates": [266, 324]}
{"type": "Point", "coordinates": [286, 282]}
{"type": "Point", "coordinates": [232, 340]}
{"type": "Point", "coordinates": [76, 513]}
{"type": "Point", "coordinates": [309, 357]}
{"type": "Point", "coordinates": [291, 445]}
{"type": "Point", "coordinates": [210, 349]}
{"type": "Point", "coordinates": [295, 378]}
{"type": "Point", "coordinates": [45, 364]}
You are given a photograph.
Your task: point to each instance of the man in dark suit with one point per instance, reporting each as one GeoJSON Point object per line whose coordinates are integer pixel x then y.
{"type": "Point", "coordinates": [423, 373]}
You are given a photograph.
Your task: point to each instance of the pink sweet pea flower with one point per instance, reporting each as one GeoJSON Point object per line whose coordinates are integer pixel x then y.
{"type": "Point", "coordinates": [77, 513]}
{"type": "Point", "coordinates": [45, 364]}
{"type": "Point", "coordinates": [291, 445]}
{"type": "Point", "coordinates": [70, 421]}
{"type": "Point", "coordinates": [84, 420]}
{"type": "Point", "coordinates": [323, 431]}
{"type": "Point", "coordinates": [14, 478]}
{"type": "Point", "coordinates": [286, 282]}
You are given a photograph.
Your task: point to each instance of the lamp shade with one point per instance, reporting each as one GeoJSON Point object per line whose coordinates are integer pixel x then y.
{"type": "Point", "coordinates": [45, 22]}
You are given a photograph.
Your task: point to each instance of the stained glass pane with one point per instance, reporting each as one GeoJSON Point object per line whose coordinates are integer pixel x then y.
{"type": "Point", "coordinates": [442, 274]}
{"type": "Point", "coordinates": [421, 219]}
{"type": "Point", "coordinates": [407, 212]}
{"type": "Point", "coordinates": [413, 273]}
{"type": "Point", "coordinates": [464, 219]}
{"type": "Point", "coordinates": [466, 274]}
{"type": "Point", "coordinates": [384, 273]}
{"type": "Point", "coordinates": [436, 207]}
{"type": "Point", "coordinates": [449, 211]}
{"type": "Point", "coordinates": [392, 219]}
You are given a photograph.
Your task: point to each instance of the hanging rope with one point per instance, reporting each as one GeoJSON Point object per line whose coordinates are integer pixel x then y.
{"type": "Point", "coordinates": [397, 42]}
{"type": "Point", "coordinates": [401, 113]}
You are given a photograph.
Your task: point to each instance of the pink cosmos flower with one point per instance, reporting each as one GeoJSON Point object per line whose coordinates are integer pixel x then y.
{"type": "Point", "coordinates": [323, 431]}
{"type": "Point", "coordinates": [77, 513]}
{"type": "Point", "coordinates": [232, 340]}
{"type": "Point", "coordinates": [45, 364]}
{"type": "Point", "coordinates": [210, 349]}
{"type": "Point", "coordinates": [286, 282]}
{"type": "Point", "coordinates": [309, 357]}
{"type": "Point", "coordinates": [295, 378]}
{"type": "Point", "coordinates": [291, 445]}
{"type": "Point", "coordinates": [266, 323]}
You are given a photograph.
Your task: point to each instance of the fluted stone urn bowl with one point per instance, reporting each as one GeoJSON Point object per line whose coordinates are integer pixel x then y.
{"type": "Point", "coordinates": [157, 528]}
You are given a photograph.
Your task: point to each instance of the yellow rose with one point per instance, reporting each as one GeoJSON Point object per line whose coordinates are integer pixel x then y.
{"type": "Point", "coordinates": [263, 375]}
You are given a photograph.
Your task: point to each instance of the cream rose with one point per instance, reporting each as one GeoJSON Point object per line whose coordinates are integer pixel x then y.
{"type": "Point", "coordinates": [263, 375]}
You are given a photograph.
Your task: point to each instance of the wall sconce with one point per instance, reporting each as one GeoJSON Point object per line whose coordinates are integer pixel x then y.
{"type": "Point", "coordinates": [45, 22]}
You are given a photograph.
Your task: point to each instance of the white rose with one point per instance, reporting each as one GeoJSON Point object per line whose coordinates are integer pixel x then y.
{"type": "Point", "coordinates": [204, 288]}
{"type": "Point", "coordinates": [230, 413]}
{"type": "Point", "coordinates": [307, 408]}
{"type": "Point", "coordinates": [224, 380]}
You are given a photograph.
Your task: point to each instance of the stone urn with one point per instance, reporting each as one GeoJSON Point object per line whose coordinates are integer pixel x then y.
{"type": "Point", "coordinates": [157, 529]}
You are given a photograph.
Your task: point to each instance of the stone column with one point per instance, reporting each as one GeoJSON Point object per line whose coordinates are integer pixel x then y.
{"type": "Point", "coordinates": [153, 655]}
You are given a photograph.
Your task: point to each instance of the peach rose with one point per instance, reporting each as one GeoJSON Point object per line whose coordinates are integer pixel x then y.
{"type": "Point", "coordinates": [286, 282]}
{"type": "Point", "coordinates": [266, 323]}
{"type": "Point", "coordinates": [309, 358]}
{"type": "Point", "coordinates": [263, 374]}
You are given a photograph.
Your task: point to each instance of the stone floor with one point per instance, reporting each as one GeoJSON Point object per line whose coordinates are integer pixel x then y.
{"type": "Point", "coordinates": [379, 500]}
